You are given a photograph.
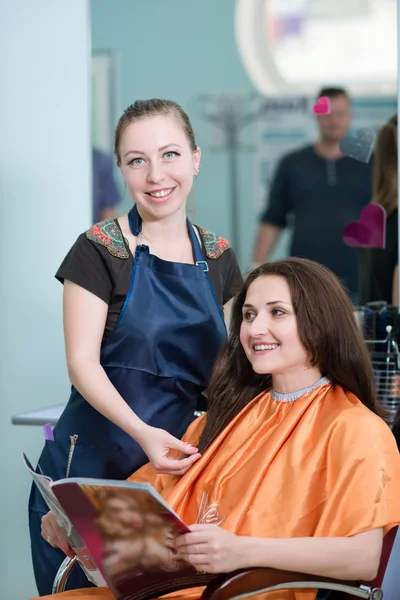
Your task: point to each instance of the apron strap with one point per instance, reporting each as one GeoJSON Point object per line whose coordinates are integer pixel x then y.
{"type": "Point", "coordinates": [135, 224]}
{"type": "Point", "coordinates": [197, 249]}
{"type": "Point", "coordinates": [135, 221]}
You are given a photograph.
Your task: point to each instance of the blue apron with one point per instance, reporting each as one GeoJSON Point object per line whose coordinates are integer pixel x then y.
{"type": "Point", "coordinates": [159, 357]}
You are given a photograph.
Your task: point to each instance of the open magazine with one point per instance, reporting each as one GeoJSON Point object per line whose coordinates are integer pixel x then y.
{"type": "Point", "coordinates": [74, 539]}
{"type": "Point", "coordinates": [122, 533]}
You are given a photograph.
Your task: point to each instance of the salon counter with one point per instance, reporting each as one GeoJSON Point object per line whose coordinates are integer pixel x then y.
{"type": "Point", "coordinates": [51, 414]}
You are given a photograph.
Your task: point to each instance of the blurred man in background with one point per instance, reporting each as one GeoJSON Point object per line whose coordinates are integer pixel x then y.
{"type": "Point", "coordinates": [323, 190]}
{"type": "Point", "coordinates": [106, 195]}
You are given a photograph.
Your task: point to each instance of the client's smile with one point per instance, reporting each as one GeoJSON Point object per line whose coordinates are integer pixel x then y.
{"type": "Point", "coordinates": [264, 348]}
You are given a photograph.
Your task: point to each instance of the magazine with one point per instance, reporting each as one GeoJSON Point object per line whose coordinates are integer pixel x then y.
{"type": "Point", "coordinates": [128, 531]}
{"type": "Point", "coordinates": [74, 539]}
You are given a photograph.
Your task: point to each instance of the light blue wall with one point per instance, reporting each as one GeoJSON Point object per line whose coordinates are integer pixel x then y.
{"type": "Point", "coordinates": [45, 187]}
{"type": "Point", "coordinates": [177, 50]}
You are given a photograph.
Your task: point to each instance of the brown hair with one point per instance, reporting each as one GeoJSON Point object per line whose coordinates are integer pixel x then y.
{"type": "Point", "coordinates": [150, 108]}
{"type": "Point", "coordinates": [327, 328]}
{"type": "Point", "coordinates": [385, 167]}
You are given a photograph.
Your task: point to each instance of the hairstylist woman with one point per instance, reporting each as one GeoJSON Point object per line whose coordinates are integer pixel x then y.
{"type": "Point", "coordinates": [143, 320]}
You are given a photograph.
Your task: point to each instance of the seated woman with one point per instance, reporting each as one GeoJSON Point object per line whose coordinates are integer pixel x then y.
{"type": "Point", "coordinates": [298, 472]}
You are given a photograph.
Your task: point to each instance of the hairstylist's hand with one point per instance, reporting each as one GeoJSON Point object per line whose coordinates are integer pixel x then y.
{"type": "Point", "coordinates": [53, 534]}
{"type": "Point", "coordinates": [157, 443]}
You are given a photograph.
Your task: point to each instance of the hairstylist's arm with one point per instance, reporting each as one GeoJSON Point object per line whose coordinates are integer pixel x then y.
{"type": "Point", "coordinates": [267, 237]}
{"type": "Point", "coordinates": [84, 321]}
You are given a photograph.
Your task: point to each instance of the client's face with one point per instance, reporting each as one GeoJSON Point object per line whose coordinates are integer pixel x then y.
{"type": "Point", "coordinates": [269, 333]}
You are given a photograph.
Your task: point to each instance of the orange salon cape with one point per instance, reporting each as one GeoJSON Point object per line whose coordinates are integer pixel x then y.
{"type": "Point", "coordinates": [323, 465]}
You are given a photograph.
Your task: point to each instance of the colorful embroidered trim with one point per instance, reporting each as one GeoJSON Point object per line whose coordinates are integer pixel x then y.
{"type": "Point", "coordinates": [108, 234]}
{"type": "Point", "coordinates": [214, 246]}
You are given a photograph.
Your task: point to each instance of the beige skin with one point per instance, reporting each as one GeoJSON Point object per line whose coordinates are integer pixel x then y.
{"type": "Point", "coordinates": [333, 128]}
{"type": "Point", "coordinates": [268, 315]}
{"type": "Point", "coordinates": [269, 318]}
{"type": "Point", "coordinates": [213, 550]}
{"type": "Point", "coordinates": [155, 155]}
{"type": "Point", "coordinates": [53, 534]}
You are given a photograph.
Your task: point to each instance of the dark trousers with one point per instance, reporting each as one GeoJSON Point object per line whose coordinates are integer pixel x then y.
{"type": "Point", "coordinates": [47, 560]}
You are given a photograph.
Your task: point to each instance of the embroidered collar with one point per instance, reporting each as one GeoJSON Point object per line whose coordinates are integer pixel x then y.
{"type": "Point", "coordinates": [214, 245]}
{"type": "Point", "coordinates": [108, 234]}
{"type": "Point", "coordinates": [292, 396]}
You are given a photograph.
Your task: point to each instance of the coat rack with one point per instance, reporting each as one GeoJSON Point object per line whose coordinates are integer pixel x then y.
{"type": "Point", "coordinates": [227, 113]}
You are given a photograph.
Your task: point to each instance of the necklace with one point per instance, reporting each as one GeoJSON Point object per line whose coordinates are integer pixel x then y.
{"type": "Point", "coordinates": [152, 245]}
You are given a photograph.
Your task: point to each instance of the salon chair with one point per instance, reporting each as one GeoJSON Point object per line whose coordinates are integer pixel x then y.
{"type": "Point", "coordinates": [249, 582]}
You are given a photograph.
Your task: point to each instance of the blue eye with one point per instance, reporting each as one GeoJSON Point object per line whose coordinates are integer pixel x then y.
{"type": "Point", "coordinates": [171, 154]}
{"type": "Point", "coordinates": [136, 162]}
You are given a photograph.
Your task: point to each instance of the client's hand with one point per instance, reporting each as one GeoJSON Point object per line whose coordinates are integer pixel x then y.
{"type": "Point", "coordinates": [157, 443]}
{"type": "Point", "coordinates": [210, 549]}
{"type": "Point", "coordinates": [53, 534]}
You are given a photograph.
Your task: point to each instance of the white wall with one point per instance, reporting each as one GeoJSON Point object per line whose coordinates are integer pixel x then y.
{"type": "Point", "coordinates": [45, 202]}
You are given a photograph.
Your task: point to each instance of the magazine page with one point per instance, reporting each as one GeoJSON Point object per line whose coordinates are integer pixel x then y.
{"type": "Point", "coordinates": [130, 533]}
{"type": "Point", "coordinates": [74, 540]}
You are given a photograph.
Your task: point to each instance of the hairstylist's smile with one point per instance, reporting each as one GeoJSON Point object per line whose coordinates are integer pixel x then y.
{"type": "Point", "coordinates": [161, 195]}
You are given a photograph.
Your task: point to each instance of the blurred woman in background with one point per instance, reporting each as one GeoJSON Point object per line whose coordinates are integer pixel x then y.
{"type": "Point", "coordinates": [378, 267]}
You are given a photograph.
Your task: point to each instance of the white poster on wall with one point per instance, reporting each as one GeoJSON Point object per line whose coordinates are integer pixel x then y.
{"type": "Point", "coordinates": [104, 100]}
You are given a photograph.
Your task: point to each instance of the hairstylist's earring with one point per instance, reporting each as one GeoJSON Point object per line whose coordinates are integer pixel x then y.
{"type": "Point", "coordinates": [197, 172]}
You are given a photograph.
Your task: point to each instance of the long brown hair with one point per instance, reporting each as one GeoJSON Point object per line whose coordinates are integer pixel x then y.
{"type": "Point", "coordinates": [327, 328]}
{"type": "Point", "coordinates": [385, 167]}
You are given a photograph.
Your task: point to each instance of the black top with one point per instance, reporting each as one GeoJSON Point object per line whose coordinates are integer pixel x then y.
{"type": "Point", "coordinates": [323, 196]}
{"type": "Point", "coordinates": [377, 265]}
{"type": "Point", "coordinates": [91, 265]}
